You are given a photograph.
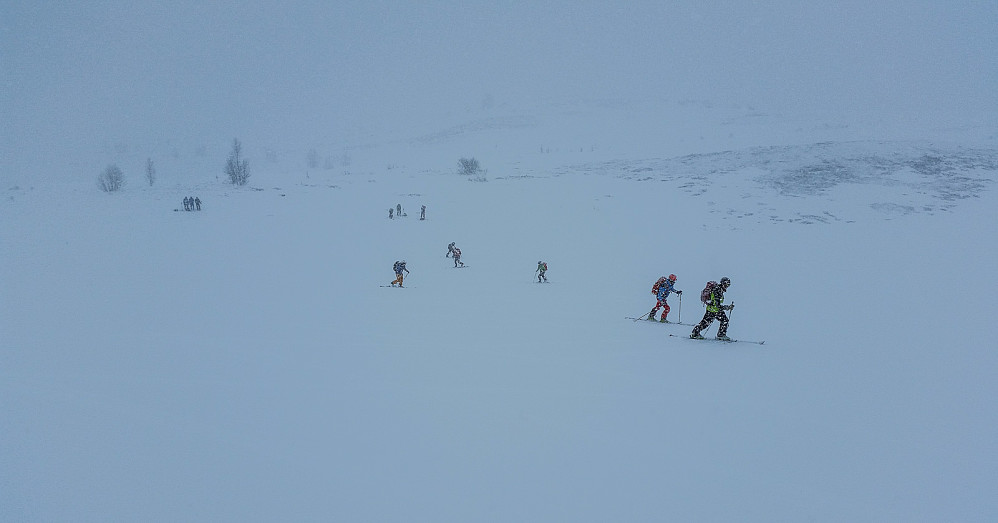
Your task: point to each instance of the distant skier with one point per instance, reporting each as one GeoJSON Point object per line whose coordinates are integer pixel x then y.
{"type": "Point", "coordinates": [662, 288]}
{"type": "Point", "coordinates": [187, 204]}
{"type": "Point", "coordinates": [391, 213]}
{"type": "Point", "coordinates": [399, 268]}
{"type": "Point", "coordinates": [450, 250]}
{"type": "Point", "coordinates": [541, 269]}
{"type": "Point", "coordinates": [422, 212]}
{"type": "Point", "coordinates": [713, 296]}
{"type": "Point", "coordinates": [197, 202]}
{"type": "Point", "coordinates": [398, 210]}
{"type": "Point", "coordinates": [457, 257]}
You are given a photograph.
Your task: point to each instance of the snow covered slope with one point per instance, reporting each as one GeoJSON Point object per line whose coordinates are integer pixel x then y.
{"type": "Point", "coordinates": [245, 362]}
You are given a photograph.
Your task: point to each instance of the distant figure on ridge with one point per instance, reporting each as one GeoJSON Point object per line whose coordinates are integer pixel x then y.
{"type": "Point", "coordinates": [422, 212]}
{"type": "Point", "coordinates": [541, 269]}
{"type": "Point", "coordinates": [450, 250]}
{"type": "Point", "coordinates": [457, 257]}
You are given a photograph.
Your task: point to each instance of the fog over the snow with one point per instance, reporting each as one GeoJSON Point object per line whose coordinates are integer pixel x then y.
{"type": "Point", "coordinates": [81, 80]}
{"type": "Point", "coordinates": [249, 361]}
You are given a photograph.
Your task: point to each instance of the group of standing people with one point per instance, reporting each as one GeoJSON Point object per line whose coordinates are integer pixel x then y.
{"type": "Point", "coordinates": [712, 297]}
{"type": "Point", "coordinates": [192, 203]}
{"type": "Point", "coordinates": [396, 212]}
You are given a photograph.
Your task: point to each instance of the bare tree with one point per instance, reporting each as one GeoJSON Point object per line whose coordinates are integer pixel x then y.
{"type": "Point", "coordinates": [236, 167]}
{"type": "Point", "coordinates": [468, 166]}
{"type": "Point", "coordinates": [111, 179]}
{"type": "Point", "coordinates": [150, 172]}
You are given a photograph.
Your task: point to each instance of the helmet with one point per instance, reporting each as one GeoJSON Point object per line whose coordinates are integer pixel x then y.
{"type": "Point", "coordinates": [403, 262]}
{"type": "Point", "coordinates": [725, 281]}
{"type": "Point", "coordinates": [539, 262]}
{"type": "Point", "coordinates": [672, 277]}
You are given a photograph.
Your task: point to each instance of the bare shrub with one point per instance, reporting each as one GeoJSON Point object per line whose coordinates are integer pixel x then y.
{"type": "Point", "coordinates": [150, 172]}
{"type": "Point", "coordinates": [112, 179]}
{"type": "Point", "coordinates": [468, 166]}
{"type": "Point", "coordinates": [237, 168]}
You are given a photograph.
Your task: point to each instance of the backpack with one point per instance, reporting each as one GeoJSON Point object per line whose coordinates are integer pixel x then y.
{"type": "Point", "coordinates": [706, 292]}
{"type": "Point", "coordinates": [544, 266]}
{"type": "Point", "coordinates": [395, 266]}
{"type": "Point", "coordinates": [654, 288]}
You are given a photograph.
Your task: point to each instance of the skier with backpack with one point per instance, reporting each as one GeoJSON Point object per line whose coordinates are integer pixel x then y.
{"type": "Point", "coordinates": [399, 267]}
{"type": "Point", "coordinates": [450, 250]}
{"type": "Point", "coordinates": [713, 297]}
{"type": "Point", "coordinates": [662, 288]}
{"type": "Point", "coordinates": [541, 269]}
{"type": "Point", "coordinates": [457, 257]}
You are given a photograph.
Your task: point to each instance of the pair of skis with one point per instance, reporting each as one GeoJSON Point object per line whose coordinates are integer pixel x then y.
{"type": "Point", "coordinates": [695, 339]}
{"type": "Point", "coordinates": [732, 340]}
{"type": "Point", "coordinates": [645, 318]}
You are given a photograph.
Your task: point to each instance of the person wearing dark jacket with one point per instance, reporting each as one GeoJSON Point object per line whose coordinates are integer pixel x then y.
{"type": "Point", "coordinates": [715, 310]}
{"type": "Point", "coordinates": [399, 268]}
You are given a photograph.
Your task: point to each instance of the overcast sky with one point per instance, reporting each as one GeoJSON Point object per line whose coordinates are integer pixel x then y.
{"type": "Point", "coordinates": [76, 75]}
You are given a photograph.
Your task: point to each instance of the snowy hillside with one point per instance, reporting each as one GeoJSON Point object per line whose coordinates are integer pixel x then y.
{"type": "Point", "coordinates": [246, 363]}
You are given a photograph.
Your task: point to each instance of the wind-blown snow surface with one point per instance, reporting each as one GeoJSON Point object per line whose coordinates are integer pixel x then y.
{"type": "Point", "coordinates": [244, 363]}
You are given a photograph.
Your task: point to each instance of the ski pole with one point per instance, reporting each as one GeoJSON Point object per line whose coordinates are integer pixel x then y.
{"type": "Point", "coordinates": [640, 317]}
{"type": "Point", "coordinates": [681, 308]}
